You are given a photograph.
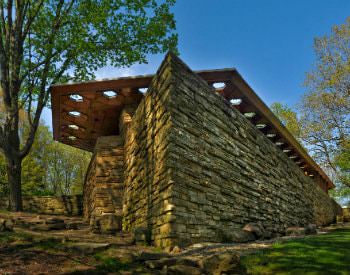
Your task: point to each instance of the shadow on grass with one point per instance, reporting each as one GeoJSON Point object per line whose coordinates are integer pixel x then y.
{"type": "Point", "coordinates": [322, 254]}
{"type": "Point", "coordinates": [14, 241]}
{"type": "Point", "coordinates": [106, 266]}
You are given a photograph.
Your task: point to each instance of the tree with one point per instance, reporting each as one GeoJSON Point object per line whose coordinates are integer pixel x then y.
{"type": "Point", "coordinates": [304, 131]}
{"type": "Point", "coordinates": [325, 108]}
{"type": "Point", "coordinates": [66, 168]}
{"type": "Point", "coordinates": [322, 119]}
{"type": "Point", "coordinates": [288, 117]}
{"type": "Point", "coordinates": [47, 41]}
{"type": "Point", "coordinates": [51, 168]}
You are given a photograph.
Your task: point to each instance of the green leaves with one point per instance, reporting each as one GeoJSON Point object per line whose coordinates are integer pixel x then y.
{"type": "Point", "coordinates": [288, 117]}
{"type": "Point", "coordinates": [51, 168]}
{"type": "Point", "coordinates": [43, 42]}
{"type": "Point", "coordinates": [322, 119]}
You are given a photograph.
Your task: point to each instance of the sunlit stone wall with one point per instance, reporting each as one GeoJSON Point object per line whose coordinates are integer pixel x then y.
{"type": "Point", "coordinates": [104, 185]}
{"type": "Point", "coordinates": [195, 167]}
{"type": "Point", "coordinates": [55, 205]}
{"type": "Point", "coordinates": [147, 174]}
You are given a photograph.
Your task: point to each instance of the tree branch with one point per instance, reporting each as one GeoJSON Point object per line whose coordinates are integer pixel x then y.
{"type": "Point", "coordinates": [31, 19]}
{"type": "Point", "coordinates": [44, 93]}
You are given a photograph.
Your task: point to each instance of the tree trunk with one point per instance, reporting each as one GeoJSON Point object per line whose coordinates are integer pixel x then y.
{"type": "Point", "coordinates": [14, 169]}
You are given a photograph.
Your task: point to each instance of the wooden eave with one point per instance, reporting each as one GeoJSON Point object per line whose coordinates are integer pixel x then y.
{"type": "Point", "coordinates": [99, 115]}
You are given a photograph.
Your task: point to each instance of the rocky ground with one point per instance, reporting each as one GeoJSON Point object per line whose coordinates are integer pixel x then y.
{"type": "Point", "coordinates": [42, 244]}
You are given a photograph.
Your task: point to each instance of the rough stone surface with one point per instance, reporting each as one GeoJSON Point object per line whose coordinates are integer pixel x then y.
{"type": "Point", "coordinates": [6, 225]}
{"type": "Point", "coordinates": [346, 214]}
{"type": "Point", "coordinates": [242, 236]}
{"type": "Point", "coordinates": [255, 228]}
{"type": "Point", "coordinates": [104, 185]}
{"type": "Point", "coordinates": [107, 224]}
{"type": "Point", "coordinates": [87, 248]}
{"type": "Point", "coordinates": [63, 205]}
{"type": "Point", "coordinates": [295, 231]}
{"type": "Point", "coordinates": [47, 224]}
{"type": "Point", "coordinates": [148, 182]}
{"type": "Point", "coordinates": [183, 270]}
{"type": "Point", "coordinates": [224, 263]}
{"type": "Point", "coordinates": [310, 229]}
{"type": "Point", "coordinates": [141, 236]}
{"type": "Point", "coordinates": [194, 166]}
{"type": "Point", "coordinates": [187, 165]}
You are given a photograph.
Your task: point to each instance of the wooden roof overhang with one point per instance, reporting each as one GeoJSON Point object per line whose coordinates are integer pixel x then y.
{"type": "Point", "coordinates": [99, 112]}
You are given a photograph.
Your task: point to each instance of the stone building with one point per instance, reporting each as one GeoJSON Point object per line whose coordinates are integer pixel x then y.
{"type": "Point", "coordinates": [196, 156]}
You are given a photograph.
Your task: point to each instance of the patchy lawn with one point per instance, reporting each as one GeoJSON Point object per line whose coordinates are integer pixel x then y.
{"type": "Point", "coordinates": [321, 254]}
{"type": "Point", "coordinates": [23, 253]}
{"type": "Point", "coordinates": [26, 252]}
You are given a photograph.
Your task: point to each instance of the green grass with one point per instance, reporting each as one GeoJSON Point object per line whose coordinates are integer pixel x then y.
{"type": "Point", "coordinates": [14, 237]}
{"type": "Point", "coordinates": [21, 239]}
{"type": "Point", "coordinates": [110, 264]}
{"type": "Point", "coordinates": [327, 254]}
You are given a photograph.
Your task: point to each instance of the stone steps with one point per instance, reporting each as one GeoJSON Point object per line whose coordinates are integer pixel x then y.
{"type": "Point", "coordinates": [44, 222]}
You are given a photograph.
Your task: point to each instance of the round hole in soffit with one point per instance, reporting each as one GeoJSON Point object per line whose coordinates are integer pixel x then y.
{"type": "Point", "coordinates": [73, 126]}
{"type": "Point", "coordinates": [249, 114]}
{"type": "Point", "coordinates": [74, 113]}
{"type": "Point", "coordinates": [236, 101]}
{"type": "Point", "coordinates": [143, 90]}
{"type": "Point", "coordinates": [76, 97]}
{"type": "Point", "coordinates": [110, 94]}
{"type": "Point", "coordinates": [260, 125]}
{"type": "Point", "coordinates": [219, 85]}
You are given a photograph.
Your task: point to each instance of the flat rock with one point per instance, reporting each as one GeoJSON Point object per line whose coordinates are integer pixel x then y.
{"type": "Point", "coordinates": [107, 224]}
{"type": "Point", "coordinates": [141, 236]}
{"type": "Point", "coordinates": [148, 256]}
{"type": "Point", "coordinates": [166, 262]}
{"type": "Point", "coordinates": [224, 263]}
{"type": "Point", "coordinates": [87, 248]}
{"type": "Point", "coordinates": [183, 270]}
{"type": "Point", "coordinates": [73, 225]}
{"type": "Point", "coordinates": [161, 263]}
{"type": "Point", "coordinates": [310, 229]}
{"type": "Point", "coordinates": [241, 236]}
{"type": "Point", "coordinates": [201, 245]}
{"type": "Point", "coordinates": [48, 227]}
{"type": "Point", "coordinates": [53, 221]}
{"type": "Point", "coordinates": [254, 228]}
{"type": "Point", "coordinates": [295, 231]}
{"type": "Point", "coordinates": [6, 225]}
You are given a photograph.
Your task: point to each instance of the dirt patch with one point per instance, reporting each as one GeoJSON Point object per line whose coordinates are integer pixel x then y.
{"type": "Point", "coordinates": [26, 251]}
{"type": "Point", "coordinates": [35, 261]}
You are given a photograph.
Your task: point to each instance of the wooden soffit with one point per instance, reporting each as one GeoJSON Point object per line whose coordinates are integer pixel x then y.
{"type": "Point", "coordinates": [99, 104]}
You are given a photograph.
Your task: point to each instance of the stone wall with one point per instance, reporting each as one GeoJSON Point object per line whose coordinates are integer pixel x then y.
{"type": "Point", "coordinates": [64, 205]}
{"type": "Point", "coordinates": [346, 214]}
{"type": "Point", "coordinates": [147, 168]}
{"type": "Point", "coordinates": [104, 185]}
{"type": "Point", "coordinates": [196, 167]}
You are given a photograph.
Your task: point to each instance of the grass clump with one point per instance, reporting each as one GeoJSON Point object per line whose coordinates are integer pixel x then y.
{"type": "Point", "coordinates": [14, 238]}
{"type": "Point", "coordinates": [110, 264]}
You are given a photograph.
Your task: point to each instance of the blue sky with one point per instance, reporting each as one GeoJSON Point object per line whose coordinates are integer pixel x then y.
{"type": "Point", "coordinates": [270, 42]}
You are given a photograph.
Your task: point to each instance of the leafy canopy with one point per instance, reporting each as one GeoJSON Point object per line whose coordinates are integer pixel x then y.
{"type": "Point", "coordinates": [43, 42]}
{"type": "Point", "coordinates": [322, 118]}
